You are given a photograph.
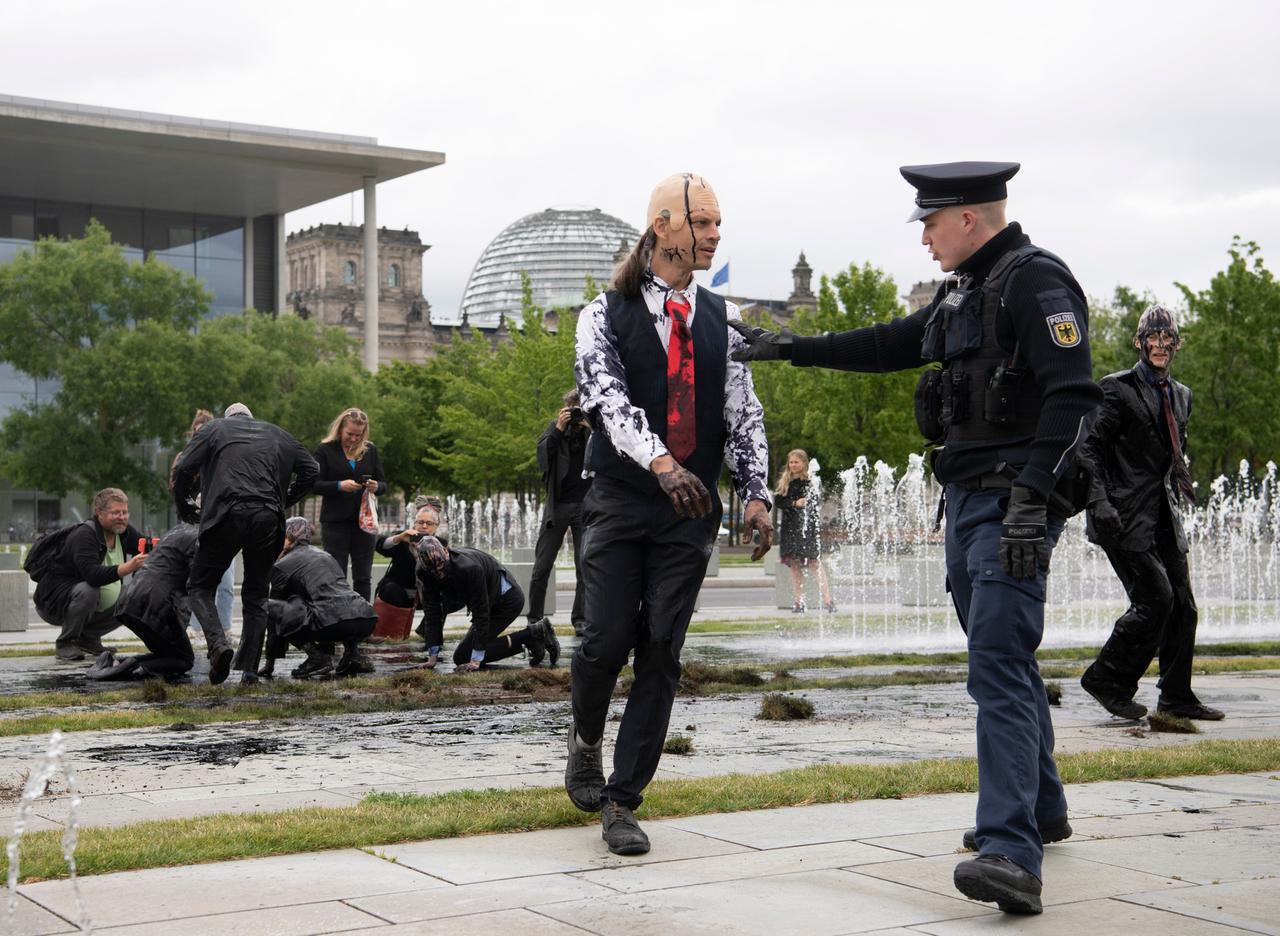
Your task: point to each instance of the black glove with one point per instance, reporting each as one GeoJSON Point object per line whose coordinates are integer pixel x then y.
{"type": "Point", "coordinates": [188, 511]}
{"type": "Point", "coordinates": [1024, 542]}
{"type": "Point", "coordinates": [688, 495]}
{"type": "Point", "coordinates": [1106, 517]}
{"type": "Point", "coordinates": [761, 345]}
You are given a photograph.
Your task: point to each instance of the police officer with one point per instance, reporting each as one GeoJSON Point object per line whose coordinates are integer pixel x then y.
{"type": "Point", "coordinates": [1140, 477]}
{"type": "Point", "coordinates": [1007, 409]}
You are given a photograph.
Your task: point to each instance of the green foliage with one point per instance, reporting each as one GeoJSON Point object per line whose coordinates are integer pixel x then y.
{"type": "Point", "coordinates": [1111, 330]}
{"type": "Point", "coordinates": [497, 402]}
{"type": "Point", "coordinates": [835, 415]}
{"type": "Point", "coordinates": [1231, 360]}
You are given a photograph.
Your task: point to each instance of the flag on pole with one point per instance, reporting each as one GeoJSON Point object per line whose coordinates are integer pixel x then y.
{"type": "Point", "coordinates": [721, 277]}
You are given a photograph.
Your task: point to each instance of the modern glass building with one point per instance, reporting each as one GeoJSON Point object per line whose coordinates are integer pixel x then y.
{"type": "Point", "coordinates": [559, 248]}
{"type": "Point", "coordinates": [208, 197]}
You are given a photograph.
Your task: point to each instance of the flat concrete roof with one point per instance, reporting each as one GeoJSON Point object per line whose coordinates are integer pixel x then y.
{"type": "Point", "coordinates": [76, 152]}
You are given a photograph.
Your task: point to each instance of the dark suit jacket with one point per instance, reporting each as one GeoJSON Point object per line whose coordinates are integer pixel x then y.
{"type": "Point", "coordinates": [553, 460]}
{"type": "Point", "coordinates": [241, 460]}
{"type": "Point", "coordinates": [344, 506]}
{"type": "Point", "coordinates": [1131, 456]}
{"type": "Point", "coordinates": [474, 582]}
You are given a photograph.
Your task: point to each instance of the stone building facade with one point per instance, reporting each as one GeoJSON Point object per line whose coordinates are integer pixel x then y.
{"type": "Point", "coordinates": [326, 284]}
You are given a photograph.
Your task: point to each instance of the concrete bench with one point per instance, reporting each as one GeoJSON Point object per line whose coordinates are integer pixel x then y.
{"type": "Point", "coordinates": [13, 600]}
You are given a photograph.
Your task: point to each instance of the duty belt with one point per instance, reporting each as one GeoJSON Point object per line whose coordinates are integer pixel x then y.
{"type": "Point", "coordinates": [989, 480]}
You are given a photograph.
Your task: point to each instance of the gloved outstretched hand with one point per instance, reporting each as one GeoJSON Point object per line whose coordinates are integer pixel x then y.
{"type": "Point", "coordinates": [761, 345]}
{"type": "Point", "coordinates": [1024, 541]}
{"type": "Point", "coordinates": [756, 519]}
{"type": "Point", "coordinates": [688, 495]}
{"type": "Point", "coordinates": [1106, 517]}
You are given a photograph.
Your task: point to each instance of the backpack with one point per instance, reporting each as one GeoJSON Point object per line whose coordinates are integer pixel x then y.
{"type": "Point", "coordinates": [43, 552]}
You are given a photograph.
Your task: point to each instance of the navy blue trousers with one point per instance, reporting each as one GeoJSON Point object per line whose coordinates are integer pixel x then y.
{"type": "Point", "coordinates": [1003, 619]}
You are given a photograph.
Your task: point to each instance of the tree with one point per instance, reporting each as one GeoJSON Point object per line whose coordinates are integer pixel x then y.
{"type": "Point", "coordinates": [836, 415]}
{"type": "Point", "coordinates": [1231, 362]}
{"type": "Point", "coordinates": [1111, 330]}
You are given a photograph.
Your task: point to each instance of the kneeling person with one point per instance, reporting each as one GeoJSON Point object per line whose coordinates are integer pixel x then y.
{"type": "Point", "coordinates": [451, 578]}
{"type": "Point", "coordinates": [312, 604]}
{"type": "Point", "coordinates": [155, 608]}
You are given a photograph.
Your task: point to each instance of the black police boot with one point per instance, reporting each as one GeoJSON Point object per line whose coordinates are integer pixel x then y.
{"type": "Point", "coordinates": [621, 832]}
{"type": "Point", "coordinates": [584, 773]}
{"type": "Point", "coordinates": [1109, 696]}
{"type": "Point", "coordinates": [996, 878]}
{"type": "Point", "coordinates": [353, 662]}
{"type": "Point", "coordinates": [1051, 830]}
{"type": "Point", "coordinates": [220, 654]}
{"type": "Point", "coordinates": [1192, 710]}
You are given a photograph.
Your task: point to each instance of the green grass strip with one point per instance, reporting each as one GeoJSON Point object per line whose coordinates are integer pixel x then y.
{"type": "Point", "coordinates": [386, 819]}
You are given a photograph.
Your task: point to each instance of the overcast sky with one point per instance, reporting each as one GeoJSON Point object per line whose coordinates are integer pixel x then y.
{"type": "Point", "coordinates": [1149, 133]}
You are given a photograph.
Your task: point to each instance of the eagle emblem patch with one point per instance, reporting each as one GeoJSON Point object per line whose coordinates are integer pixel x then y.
{"type": "Point", "coordinates": [1064, 329]}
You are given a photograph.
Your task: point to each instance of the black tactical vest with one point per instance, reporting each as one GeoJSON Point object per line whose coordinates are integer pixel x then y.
{"type": "Point", "coordinates": [645, 362]}
{"type": "Point", "coordinates": [984, 397]}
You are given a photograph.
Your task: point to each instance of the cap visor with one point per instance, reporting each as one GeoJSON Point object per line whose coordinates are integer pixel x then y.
{"type": "Point", "coordinates": [923, 213]}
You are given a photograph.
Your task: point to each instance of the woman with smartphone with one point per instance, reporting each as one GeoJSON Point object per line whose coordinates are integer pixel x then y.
{"type": "Point", "coordinates": [349, 466]}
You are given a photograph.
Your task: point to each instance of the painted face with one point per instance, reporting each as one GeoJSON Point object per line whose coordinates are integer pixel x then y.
{"type": "Point", "coordinates": [115, 519]}
{"type": "Point", "coordinates": [1158, 348]}
{"type": "Point", "coordinates": [685, 216]}
{"type": "Point", "coordinates": [795, 464]}
{"type": "Point", "coordinates": [946, 236]}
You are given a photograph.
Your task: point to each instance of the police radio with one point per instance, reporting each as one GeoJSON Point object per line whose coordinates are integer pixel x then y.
{"type": "Point", "coordinates": [1000, 403]}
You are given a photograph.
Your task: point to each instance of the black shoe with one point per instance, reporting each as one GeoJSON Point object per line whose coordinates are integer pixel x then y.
{"type": "Point", "coordinates": [621, 832]}
{"type": "Point", "coordinates": [1193, 710]}
{"type": "Point", "coordinates": [268, 669]}
{"type": "Point", "coordinates": [354, 664]}
{"type": "Point", "coordinates": [550, 641]}
{"type": "Point", "coordinates": [1051, 830]}
{"type": "Point", "coordinates": [220, 664]}
{"type": "Point", "coordinates": [584, 773]}
{"type": "Point", "coordinates": [247, 678]}
{"type": "Point", "coordinates": [535, 642]}
{"type": "Point", "coordinates": [1111, 699]}
{"type": "Point", "coordinates": [91, 647]}
{"type": "Point", "coordinates": [317, 663]}
{"type": "Point", "coordinates": [997, 878]}
{"type": "Point", "coordinates": [68, 654]}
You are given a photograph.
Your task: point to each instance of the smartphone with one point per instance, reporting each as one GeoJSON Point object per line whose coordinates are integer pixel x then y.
{"type": "Point", "coordinates": [414, 537]}
{"type": "Point", "coordinates": [365, 479]}
{"type": "Point", "coordinates": [147, 545]}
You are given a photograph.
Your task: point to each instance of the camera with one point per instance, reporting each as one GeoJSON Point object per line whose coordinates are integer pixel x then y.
{"type": "Point", "coordinates": [576, 415]}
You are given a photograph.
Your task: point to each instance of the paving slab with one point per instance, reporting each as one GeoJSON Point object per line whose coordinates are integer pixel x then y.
{"type": "Point", "coordinates": [1067, 879]}
{"type": "Point", "coordinates": [1201, 857]}
{"type": "Point", "coordinates": [34, 920]}
{"type": "Point", "coordinates": [504, 922]}
{"type": "Point", "coordinates": [229, 886]}
{"type": "Point", "coordinates": [551, 851]}
{"type": "Point", "coordinates": [631, 879]}
{"type": "Point", "coordinates": [486, 897]}
{"type": "Point", "coordinates": [305, 920]}
{"type": "Point", "coordinates": [816, 903]}
{"type": "Point", "coordinates": [1251, 905]}
{"type": "Point", "coordinates": [1095, 917]}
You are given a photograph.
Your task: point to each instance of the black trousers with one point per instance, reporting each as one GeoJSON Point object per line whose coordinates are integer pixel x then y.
{"type": "Point", "coordinates": [348, 633]}
{"type": "Point", "coordinates": [1161, 617]}
{"type": "Point", "coordinates": [642, 567]}
{"type": "Point", "coordinates": [393, 593]}
{"type": "Point", "coordinates": [496, 647]}
{"type": "Point", "coordinates": [551, 537]}
{"type": "Point", "coordinates": [169, 648]}
{"type": "Point", "coordinates": [343, 540]}
{"type": "Point", "coordinates": [257, 533]}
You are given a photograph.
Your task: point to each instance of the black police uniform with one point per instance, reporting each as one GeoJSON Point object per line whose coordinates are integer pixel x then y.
{"type": "Point", "coordinates": [1012, 335]}
{"type": "Point", "coordinates": [1131, 454]}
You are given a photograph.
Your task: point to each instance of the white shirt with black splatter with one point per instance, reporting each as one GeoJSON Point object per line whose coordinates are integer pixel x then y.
{"type": "Point", "coordinates": [602, 382]}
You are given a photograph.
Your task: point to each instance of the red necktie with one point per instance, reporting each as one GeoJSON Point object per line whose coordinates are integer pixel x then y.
{"type": "Point", "coordinates": [1180, 473]}
{"type": "Point", "coordinates": [681, 430]}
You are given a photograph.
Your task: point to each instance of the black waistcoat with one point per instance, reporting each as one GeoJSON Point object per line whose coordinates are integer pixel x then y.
{"type": "Point", "coordinates": [645, 362]}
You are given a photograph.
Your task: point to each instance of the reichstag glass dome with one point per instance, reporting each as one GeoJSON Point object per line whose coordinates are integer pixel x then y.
{"type": "Point", "coordinates": [558, 248]}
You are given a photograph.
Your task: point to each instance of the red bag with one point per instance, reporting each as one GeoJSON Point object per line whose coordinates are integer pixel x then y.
{"type": "Point", "coordinates": [368, 512]}
{"type": "Point", "coordinates": [393, 622]}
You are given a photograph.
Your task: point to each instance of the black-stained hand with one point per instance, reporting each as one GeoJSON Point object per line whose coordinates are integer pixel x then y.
{"type": "Point", "coordinates": [1106, 517]}
{"type": "Point", "coordinates": [761, 345]}
{"type": "Point", "coordinates": [688, 495]}
{"type": "Point", "coordinates": [756, 519]}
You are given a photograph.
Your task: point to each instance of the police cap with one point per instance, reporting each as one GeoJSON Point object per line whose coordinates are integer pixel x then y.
{"type": "Point", "coordinates": [958, 183]}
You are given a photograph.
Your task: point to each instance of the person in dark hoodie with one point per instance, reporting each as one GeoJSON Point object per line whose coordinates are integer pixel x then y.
{"type": "Point", "coordinates": [83, 584]}
{"type": "Point", "coordinates": [312, 606]}
{"type": "Point", "coordinates": [249, 471]}
{"type": "Point", "coordinates": [451, 578]}
{"type": "Point", "coordinates": [155, 608]}
{"type": "Point", "coordinates": [1140, 484]}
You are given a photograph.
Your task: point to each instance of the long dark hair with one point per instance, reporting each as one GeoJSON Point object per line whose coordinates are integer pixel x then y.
{"type": "Point", "coordinates": [628, 276]}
